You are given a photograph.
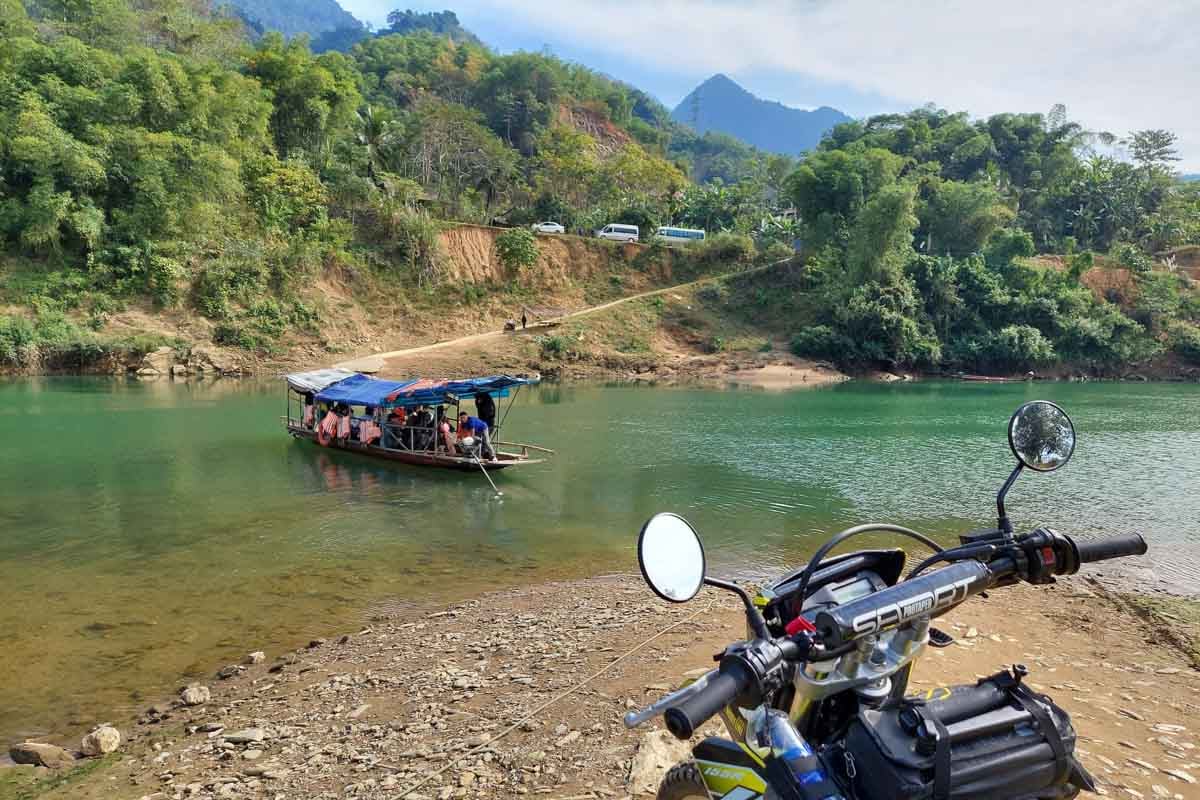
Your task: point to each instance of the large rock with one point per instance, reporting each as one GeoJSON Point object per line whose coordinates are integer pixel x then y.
{"type": "Point", "coordinates": [209, 360]}
{"type": "Point", "coordinates": [247, 736]}
{"type": "Point", "coordinates": [161, 360]}
{"type": "Point", "coordinates": [195, 695]}
{"type": "Point", "coordinates": [42, 755]}
{"type": "Point", "coordinates": [657, 752]}
{"type": "Point", "coordinates": [102, 739]}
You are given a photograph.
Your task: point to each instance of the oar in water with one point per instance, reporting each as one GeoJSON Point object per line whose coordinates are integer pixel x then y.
{"type": "Point", "coordinates": [483, 469]}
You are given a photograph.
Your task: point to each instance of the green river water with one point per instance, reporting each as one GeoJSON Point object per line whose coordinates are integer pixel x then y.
{"type": "Point", "coordinates": [152, 532]}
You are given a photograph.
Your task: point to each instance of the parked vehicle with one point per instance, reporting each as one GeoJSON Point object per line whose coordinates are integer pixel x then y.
{"type": "Point", "coordinates": [674, 236]}
{"type": "Point", "coordinates": [548, 227]}
{"type": "Point", "coordinates": [814, 701]}
{"type": "Point", "coordinates": [619, 233]}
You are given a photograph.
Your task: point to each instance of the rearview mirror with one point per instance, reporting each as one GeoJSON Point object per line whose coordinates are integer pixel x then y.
{"type": "Point", "coordinates": [671, 557]}
{"type": "Point", "coordinates": [1041, 436]}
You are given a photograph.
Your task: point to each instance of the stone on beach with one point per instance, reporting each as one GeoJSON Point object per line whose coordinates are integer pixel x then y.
{"type": "Point", "coordinates": [195, 695]}
{"type": "Point", "coordinates": [41, 755]}
{"type": "Point", "coordinates": [657, 752]}
{"type": "Point", "coordinates": [102, 739]}
{"type": "Point", "coordinates": [246, 736]}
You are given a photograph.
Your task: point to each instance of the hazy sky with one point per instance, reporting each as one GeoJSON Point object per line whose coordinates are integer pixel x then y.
{"type": "Point", "coordinates": [1117, 65]}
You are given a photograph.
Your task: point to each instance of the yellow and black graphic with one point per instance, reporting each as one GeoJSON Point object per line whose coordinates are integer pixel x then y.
{"type": "Point", "coordinates": [730, 782]}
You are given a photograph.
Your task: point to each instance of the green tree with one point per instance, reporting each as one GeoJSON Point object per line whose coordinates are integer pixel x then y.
{"type": "Point", "coordinates": [1152, 148]}
{"type": "Point", "coordinates": [958, 218]}
{"type": "Point", "coordinates": [881, 240]}
{"type": "Point", "coordinates": [314, 98]}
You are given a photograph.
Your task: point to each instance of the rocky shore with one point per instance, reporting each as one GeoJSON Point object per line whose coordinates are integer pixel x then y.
{"type": "Point", "coordinates": [491, 698]}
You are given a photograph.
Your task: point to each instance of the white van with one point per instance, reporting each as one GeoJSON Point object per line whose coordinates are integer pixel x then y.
{"type": "Point", "coordinates": [618, 233]}
{"type": "Point", "coordinates": [669, 236]}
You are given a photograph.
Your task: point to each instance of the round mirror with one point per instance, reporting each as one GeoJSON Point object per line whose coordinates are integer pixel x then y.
{"type": "Point", "coordinates": [671, 557]}
{"type": "Point", "coordinates": [1041, 436]}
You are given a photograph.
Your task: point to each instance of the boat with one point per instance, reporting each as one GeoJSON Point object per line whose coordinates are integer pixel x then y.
{"type": "Point", "coordinates": [992, 379]}
{"type": "Point", "coordinates": [365, 403]}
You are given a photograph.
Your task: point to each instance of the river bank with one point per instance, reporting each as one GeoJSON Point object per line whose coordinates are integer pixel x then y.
{"type": "Point", "coordinates": [450, 704]}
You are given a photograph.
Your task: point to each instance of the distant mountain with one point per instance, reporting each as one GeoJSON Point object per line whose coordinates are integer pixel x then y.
{"type": "Point", "coordinates": [720, 104]}
{"type": "Point", "coordinates": [1195, 176]}
{"type": "Point", "coordinates": [292, 17]}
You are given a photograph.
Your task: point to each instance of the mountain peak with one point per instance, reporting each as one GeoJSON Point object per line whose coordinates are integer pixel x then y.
{"type": "Point", "coordinates": [722, 104]}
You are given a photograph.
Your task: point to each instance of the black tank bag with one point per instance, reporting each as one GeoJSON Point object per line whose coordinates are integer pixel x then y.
{"type": "Point", "coordinates": [996, 740]}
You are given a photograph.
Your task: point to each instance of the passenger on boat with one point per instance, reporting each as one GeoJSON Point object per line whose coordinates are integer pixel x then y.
{"type": "Point", "coordinates": [392, 432]}
{"type": "Point", "coordinates": [328, 428]}
{"type": "Point", "coordinates": [444, 431]}
{"type": "Point", "coordinates": [485, 408]}
{"type": "Point", "coordinates": [310, 413]}
{"type": "Point", "coordinates": [343, 415]}
{"type": "Point", "coordinates": [422, 432]}
{"type": "Point", "coordinates": [368, 431]}
{"type": "Point", "coordinates": [474, 426]}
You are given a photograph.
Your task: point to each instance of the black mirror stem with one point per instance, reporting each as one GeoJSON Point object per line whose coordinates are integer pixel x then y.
{"type": "Point", "coordinates": [1003, 523]}
{"type": "Point", "coordinates": [757, 623]}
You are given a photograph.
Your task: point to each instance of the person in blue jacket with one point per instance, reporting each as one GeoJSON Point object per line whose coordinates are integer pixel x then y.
{"type": "Point", "coordinates": [474, 426]}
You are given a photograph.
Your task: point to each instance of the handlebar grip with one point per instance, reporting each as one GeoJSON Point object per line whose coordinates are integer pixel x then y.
{"type": "Point", "coordinates": [1129, 544]}
{"type": "Point", "coordinates": [683, 719]}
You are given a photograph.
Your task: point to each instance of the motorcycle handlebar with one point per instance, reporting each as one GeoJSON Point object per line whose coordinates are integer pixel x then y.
{"type": "Point", "coordinates": [683, 719]}
{"type": "Point", "coordinates": [931, 594]}
{"type": "Point", "coordinates": [1130, 544]}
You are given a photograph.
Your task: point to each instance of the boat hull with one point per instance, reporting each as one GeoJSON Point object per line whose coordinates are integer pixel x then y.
{"type": "Point", "coordinates": [417, 459]}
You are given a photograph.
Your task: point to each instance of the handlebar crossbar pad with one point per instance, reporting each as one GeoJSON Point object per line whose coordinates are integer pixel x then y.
{"type": "Point", "coordinates": [928, 595]}
{"type": "Point", "coordinates": [1129, 544]}
{"type": "Point", "coordinates": [683, 719]}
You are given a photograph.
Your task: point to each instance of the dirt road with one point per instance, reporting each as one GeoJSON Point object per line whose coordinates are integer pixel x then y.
{"type": "Point", "coordinates": [376, 362]}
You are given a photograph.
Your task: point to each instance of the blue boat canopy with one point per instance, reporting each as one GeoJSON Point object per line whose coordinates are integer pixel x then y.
{"type": "Point", "coordinates": [426, 392]}
{"type": "Point", "coordinates": [361, 390]}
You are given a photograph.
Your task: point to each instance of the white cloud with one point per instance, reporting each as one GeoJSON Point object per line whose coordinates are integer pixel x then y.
{"type": "Point", "coordinates": [1118, 65]}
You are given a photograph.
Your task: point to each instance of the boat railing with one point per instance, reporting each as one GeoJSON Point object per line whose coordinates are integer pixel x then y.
{"type": "Point", "coordinates": [525, 448]}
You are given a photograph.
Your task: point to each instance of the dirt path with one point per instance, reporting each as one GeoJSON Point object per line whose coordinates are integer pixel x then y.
{"type": "Point", "coordinates": [430, 699]}
{"type": "Point", "coordinates": [376, 362]}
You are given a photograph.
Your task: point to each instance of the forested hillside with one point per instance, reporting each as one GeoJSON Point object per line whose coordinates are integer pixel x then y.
{"type": "Point", "coordinates": [291, 17]}
{"type": "Point", "coordinates": [155, 157]}
{"type": "Point", "coordinates": [150, 154]}
{"type": "Point", "coordinates": [442, 23]}
{"type": "Point", "coordinates": [922, 228]}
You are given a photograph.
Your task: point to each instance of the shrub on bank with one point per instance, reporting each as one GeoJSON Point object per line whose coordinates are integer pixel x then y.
{"type": "Point", "coordinates": [1018, 348]}
{"type": "Point", "coordinates": [823, 343]}
{"type": "Point", "coordinates": [517, 248]}
{"type": "Point", "coordinates": [1185, 342]}
{"type": "Point", "coordinates": [734, 249]}
{"type": "Point", "coordinates": [51, 341]}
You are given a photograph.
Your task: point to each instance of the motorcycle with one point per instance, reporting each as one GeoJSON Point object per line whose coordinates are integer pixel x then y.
{"type": "Point", "coordinates": [815, 700]}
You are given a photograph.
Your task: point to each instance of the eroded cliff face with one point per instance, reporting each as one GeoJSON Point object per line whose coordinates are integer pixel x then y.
{"type": "Point", "coordinates": [564, 262]}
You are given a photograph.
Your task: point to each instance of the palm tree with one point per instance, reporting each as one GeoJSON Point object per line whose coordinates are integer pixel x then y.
{"type": "Point", "coordinates": [375, 133]}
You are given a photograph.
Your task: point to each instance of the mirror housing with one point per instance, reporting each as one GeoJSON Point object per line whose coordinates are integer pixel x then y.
{"type": "Point", "coordinates": [1041, 436]}
{"type": "Point", "coordinates": [671, 557]}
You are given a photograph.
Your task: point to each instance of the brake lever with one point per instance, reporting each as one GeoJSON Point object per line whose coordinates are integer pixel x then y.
{"type": "Point", "coordinates": [635, 718]}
